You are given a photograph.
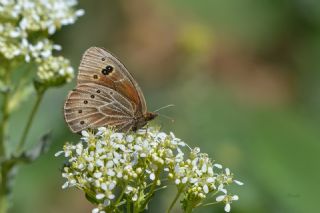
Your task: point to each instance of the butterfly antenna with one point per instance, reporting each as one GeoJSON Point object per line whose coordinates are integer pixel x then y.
{"type": "Point", "coordinates": [169, 105]}
{"type": "Point", "coordinates": [167, 117]}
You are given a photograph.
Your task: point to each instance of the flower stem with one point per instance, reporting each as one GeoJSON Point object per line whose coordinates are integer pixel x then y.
{"type": "Point", "coordinates": [5, 115]}
{"type": "Point", "coordinates": [29, 123]}
{"type": "Point", "coordinates": [121, 195]}
{"type": "Point", "coordinates": [4, 199]}
{"type": "Point", "coordinates": [4, 125]}
{"type": "Point", "coordinates": [128, 206]}
{"type": "Point", "coordinates": [174, 200]}
{"type": "Point", "coordinates": [4, 187]}
{"type": "Point", "coordinates": [151, 192]}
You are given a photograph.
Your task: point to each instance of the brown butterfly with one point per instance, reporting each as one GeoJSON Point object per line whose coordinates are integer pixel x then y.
{"type": "Point", "coordinates": [106, 95]}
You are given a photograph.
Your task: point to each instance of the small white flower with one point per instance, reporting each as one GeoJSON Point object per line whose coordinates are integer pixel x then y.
{"type": "Point", "coordinates": [111, 196]}
{"type": "Point", "coordinates": [135, 197]}
{"type": "Point", "coordinates": [100, 196]}
{"type": "Point", "coordinates": [65, 185]}
{"type": "Point", "coordinates": [99, 163]}
{"type": "Point", "coordinates": [184, 180]}
{"type": "Point", "coordinates": [97, 174]}
{"type": "Point", "coordinates": [104, 186]}
{"type": "Point", "coordinates": [95, 210]}
{"type": "Point", "coordinates": [129, 138]}
{"type": "Point", "coordinates": [152, 176]}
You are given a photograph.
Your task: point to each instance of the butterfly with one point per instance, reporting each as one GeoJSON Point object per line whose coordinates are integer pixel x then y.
{"type": "Point", "coordinates": [106, 95]}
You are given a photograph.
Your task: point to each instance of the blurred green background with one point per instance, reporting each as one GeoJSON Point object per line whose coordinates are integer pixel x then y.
{"type": "Point", "coordinates": [243, 74]}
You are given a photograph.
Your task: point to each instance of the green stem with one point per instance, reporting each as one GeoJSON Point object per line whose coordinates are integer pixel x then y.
{"type": "Point", "coordinates": [4, 125]}
{"type": "Point", "coordinates": [151, 192]}
{"type": "Point", "coordinates": [4, 187]}
{"type": "Point", "coordinates": [189, 209]}
{"type": "Point", "coordinates": [5, 115]}
{"type": "Point", "coordinates": [175, 200]}
{"type": "Point", "coordinates": [121, 195]}
{"type": "Point", "coordinates": [29, 123]}
{"type": "Point", "coordinates": [128, 206]}
{"type": "Point", "coordinates": [4, 195]}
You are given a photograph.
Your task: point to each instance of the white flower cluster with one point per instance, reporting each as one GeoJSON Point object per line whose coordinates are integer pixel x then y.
{"type": "Point", "coordinates": [55, 70]}
{"type": "Point", "coordinates": [26, 24]}
{"type": "Point", "coordinates": [116, 168]}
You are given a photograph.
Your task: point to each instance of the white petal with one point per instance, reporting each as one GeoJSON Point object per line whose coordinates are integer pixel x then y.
{"type": "Point", "coordinates": [52, 29]}
{"type": "Point", "coordinates": [152, 176]}
{"type": "Point", "coordinates": [135, 197]}
{"type": "Point", "coordinates": [204, 168]}
{"type": "Point", "coordinates": [58, 153]}
{"type": "Point", "coordinates": [227, 208]}
{"type": "Point", "coordinates": [65, 185]}
{"type": "Point", "coordinates": [184, 180]}
{"type": "Point", "coordinates": [129, 138]}
{"type": "Point", "coordinates": [210, 180]}
{"type": "Point", "coordinates": [177, 181]}
{"type": "Point", "coordinates": [97, 175]}
{"type": "Point", "coordinates": [104, 186]}
{"type": "Point", "coordinates": [238, 182]}
{"type": "Point", "coordinates": [205, 189]}
{"type": "Point", "coordinates": [100, 196]}
{"type": "Point", "coordinates": [220, 198]}
{"type": "Point", "coordinates": [84, 133]}
{"type": "Point", "coordinates": [112, 185]}
{"type": "Point", "coordinates": [57, 47]}
{"type": "Point", "coordinates": [235, 197]}
{"type": "Point", "coordinates": [227, 171]}
{"type": "Point", "coordinates": [219, 166]}
{"type": "Point", "coordinates": [95, 210]}
{"type": "Point", "coordinates": [79, 12]}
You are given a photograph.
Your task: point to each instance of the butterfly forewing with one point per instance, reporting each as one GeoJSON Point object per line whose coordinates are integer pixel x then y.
{"type": "Point", "coordinates": [100, 67]}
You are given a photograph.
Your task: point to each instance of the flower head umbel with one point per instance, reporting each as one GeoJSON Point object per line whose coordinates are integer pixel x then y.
{"type": "Point", "coordinates": [24, 30]}
{"type": "Point", "coordinates": [116, 169]}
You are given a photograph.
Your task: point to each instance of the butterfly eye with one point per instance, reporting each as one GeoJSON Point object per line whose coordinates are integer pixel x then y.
{"type": "Point", "coordinates": [85, 102]}
{"type": "Point", "coordinates": [107, 70]}
{"type": "Point", "coordinates": [98, 91]}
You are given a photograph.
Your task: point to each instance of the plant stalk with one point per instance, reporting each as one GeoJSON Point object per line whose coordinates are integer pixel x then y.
{"type": "Point", "coordinates": [174, 200]}
{"type": "Point", "coordinates": [4, 187]}
{"type": "Point", "coordinates": [29, 123]}
{"type": "Point", "coordinates": [5, 116]}
{"type": "Point", "coordinates": [151, 192]}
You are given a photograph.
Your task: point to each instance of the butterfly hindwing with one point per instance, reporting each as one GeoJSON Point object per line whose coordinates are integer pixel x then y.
{"type": "Point", "coordinates": [92, 106]}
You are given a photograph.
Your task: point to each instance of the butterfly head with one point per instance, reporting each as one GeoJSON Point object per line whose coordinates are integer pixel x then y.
{"type": "Point", "coordinates": [143, 120]}
{"type": "Point", "coordinates": [148, 116]}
